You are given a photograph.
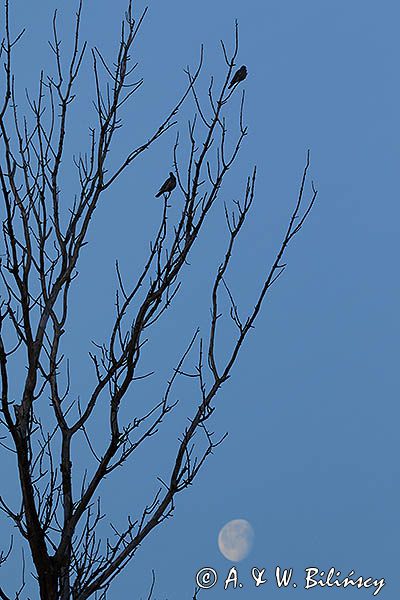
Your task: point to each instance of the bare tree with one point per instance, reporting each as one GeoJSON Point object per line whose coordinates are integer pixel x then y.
{"type": "Point", "coordinates": [58, 517]}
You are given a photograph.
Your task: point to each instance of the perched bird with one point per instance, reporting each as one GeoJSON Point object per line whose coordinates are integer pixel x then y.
{"type": "Point", "coordinates": [238, 76]}
{"type": "Point", "coordinates": [168, 185]}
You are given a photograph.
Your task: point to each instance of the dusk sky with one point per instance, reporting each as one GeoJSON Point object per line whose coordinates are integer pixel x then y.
{"type": "Point", "coordinates": [311, 410]}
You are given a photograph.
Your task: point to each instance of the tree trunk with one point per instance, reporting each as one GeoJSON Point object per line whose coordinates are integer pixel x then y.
{"type": "Point", "coordinates": [48, 584]}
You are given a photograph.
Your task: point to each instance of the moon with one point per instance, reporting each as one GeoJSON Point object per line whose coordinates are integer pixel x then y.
{"type": "Point", "coordinates": [235, 539]}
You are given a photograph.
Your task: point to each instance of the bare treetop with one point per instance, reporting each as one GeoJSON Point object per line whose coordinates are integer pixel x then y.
{"type": "Point", "coordinates": [43, 238]}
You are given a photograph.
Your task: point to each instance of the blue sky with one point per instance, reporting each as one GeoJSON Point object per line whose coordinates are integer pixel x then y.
{"type": "Point", "coordinates": [312, 407]}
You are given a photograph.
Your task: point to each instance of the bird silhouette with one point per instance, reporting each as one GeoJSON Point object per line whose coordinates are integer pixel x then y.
{"type": "Point", "coordinates": [168, 185]}
{"type": "Point", "coordinates": [239, 76]}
